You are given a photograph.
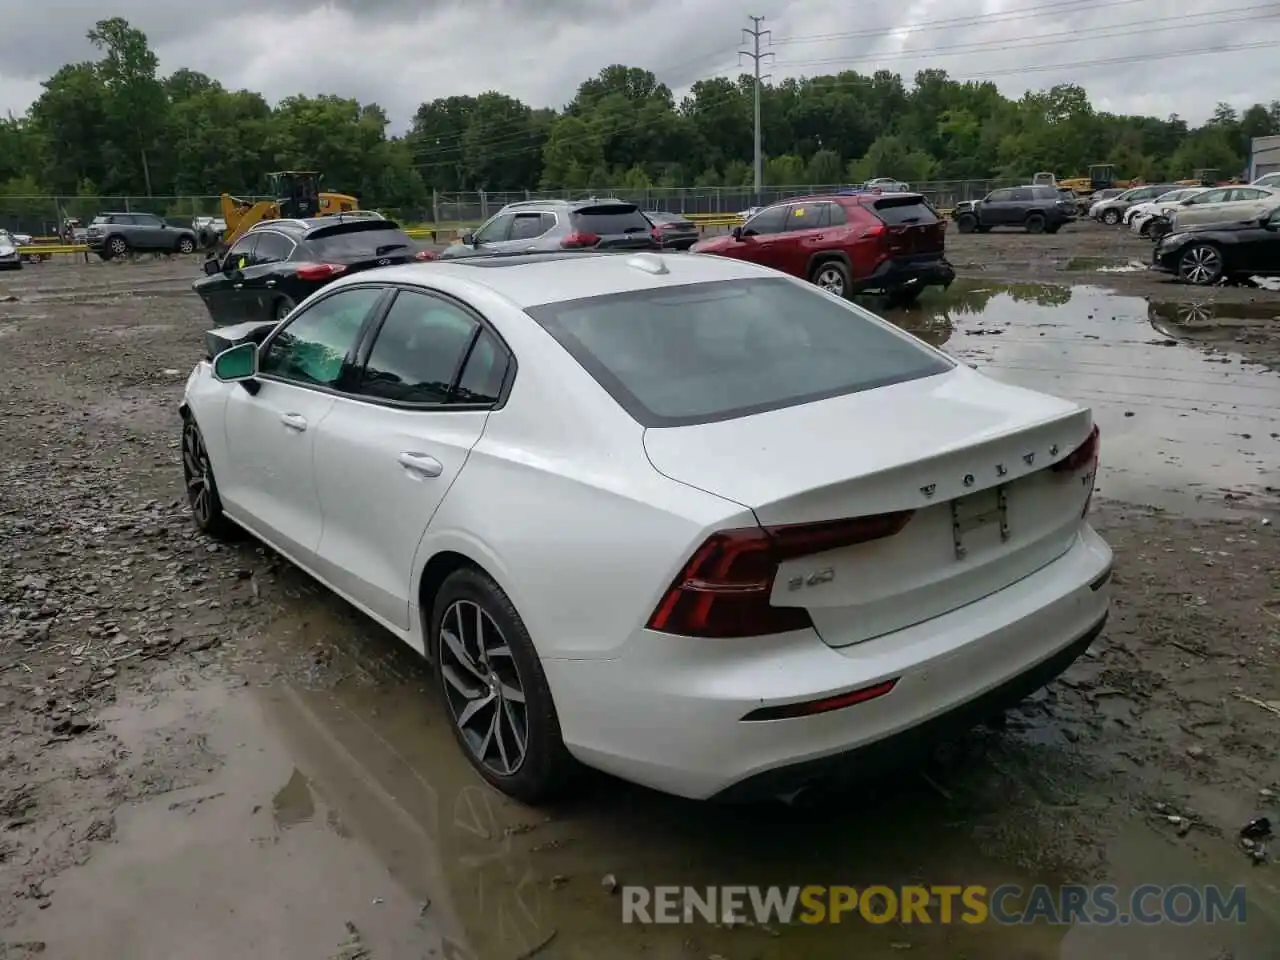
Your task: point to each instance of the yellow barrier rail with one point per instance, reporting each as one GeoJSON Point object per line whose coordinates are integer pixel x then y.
{"type": "Point", "coordinates": [40, 249]}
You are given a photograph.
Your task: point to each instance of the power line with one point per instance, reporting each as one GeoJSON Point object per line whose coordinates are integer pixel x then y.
{"type": "Point", "coordinates": [1265, 11]}
{"type": "Point", "coordinates": [454, 144]}
{"type": "Point", "coordinates": [533, 143]}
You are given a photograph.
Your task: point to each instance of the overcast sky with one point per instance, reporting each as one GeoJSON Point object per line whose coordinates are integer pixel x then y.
{"type": "Point", "coordinates": [402, 52]}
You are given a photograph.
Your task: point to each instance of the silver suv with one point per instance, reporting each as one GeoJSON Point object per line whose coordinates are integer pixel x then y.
{"type": "Point", "coordinates": [594, 224]}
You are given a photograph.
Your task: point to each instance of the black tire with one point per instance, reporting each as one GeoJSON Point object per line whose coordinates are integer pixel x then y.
{"type": "Point", "coordinates": [1145, 229]}
{"type": "Point", "coordinates": [186, 245]}
{"type": "Point", "coordinates": [202, 490]}
{"type": "Point", "coordinates": [904, 296]}
{"type": "Point", "coordinates": [545, 769]}
{"type": "Point", "coordinates": [1201, 264]}
{"type": "Point", "coordinates": [1035, 223]}
{"type": "Point", "coordinates": [966, 223]}
{"type": "Point", "coordinates": [1111, 217]}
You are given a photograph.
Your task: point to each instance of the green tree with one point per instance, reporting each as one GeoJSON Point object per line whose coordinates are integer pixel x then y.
{"type": "Point", "coordinates": [135, 98]}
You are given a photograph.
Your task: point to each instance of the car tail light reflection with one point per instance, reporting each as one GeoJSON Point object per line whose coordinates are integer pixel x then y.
{"type": "Point", "coordinates": [426, 255]}
{"type": "Point", "coordinates": [579, 239]}
{"type": "Point", "coordinates": [724, 589]}
{"type": "Point", "coordinates": [319, 271]}
{"type": "Point", "coordinates": [656, 233]}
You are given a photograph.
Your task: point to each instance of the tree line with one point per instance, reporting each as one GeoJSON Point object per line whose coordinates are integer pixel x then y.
{"type": "Point", "coordinates": [115, 127]}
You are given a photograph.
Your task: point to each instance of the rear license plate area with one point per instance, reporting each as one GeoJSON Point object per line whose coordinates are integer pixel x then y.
{"type": "Point", "coordinates": [981, 518]}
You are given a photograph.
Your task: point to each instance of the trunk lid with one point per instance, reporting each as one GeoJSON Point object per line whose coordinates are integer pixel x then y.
{"type": "Point", "coordinates": [970, 456]}
{"type": "Point", "coordinates": [361, 245]}
{"type": "Point", "coordinates": [619, 226]}
{"type": "Point", "coordinates": [913, 226]}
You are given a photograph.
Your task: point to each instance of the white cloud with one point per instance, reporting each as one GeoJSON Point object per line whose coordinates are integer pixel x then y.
{"type": "Point", "coordinates": [402, 52]}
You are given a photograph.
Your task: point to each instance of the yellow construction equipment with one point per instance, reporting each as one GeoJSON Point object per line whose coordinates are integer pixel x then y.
{"type": "Point", "coordinates": [297, 194]}
{"type": "Point", "coordinates": [1101, 177]}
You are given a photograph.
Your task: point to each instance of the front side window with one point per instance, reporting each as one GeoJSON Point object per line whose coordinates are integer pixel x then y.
{"type": "Point", "coordinates": [418, 351]}
{"type": "Point", "coordinates": [702, 352]}
{"type": "Point", "coordinates": [772, 220]}
{"type": "Point", "coordinates": [496, 229]}
{"type": "Point", "coordinates": [313, 345]}
{"type": "Point", "coordinates": [999, 196]}
{"type": "Point", "coordinates": [241, 255]}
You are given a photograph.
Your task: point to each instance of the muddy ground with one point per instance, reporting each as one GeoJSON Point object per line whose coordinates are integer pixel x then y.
{"type": "Point", "coordinates": [207, 755]}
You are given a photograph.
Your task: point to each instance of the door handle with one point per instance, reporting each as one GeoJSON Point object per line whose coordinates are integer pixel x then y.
{"type": "Point", "coordinates": [294, 421]}
{"type": "Point", "coordinates": [271, 283]}
{"type": "Point", "coordinates": [237, 286]}
{"type": "Point", "coordinates": [421, 463]}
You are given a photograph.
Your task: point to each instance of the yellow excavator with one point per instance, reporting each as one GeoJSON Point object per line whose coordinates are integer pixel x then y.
{"type": "Point", "coordinates": [297, 194]}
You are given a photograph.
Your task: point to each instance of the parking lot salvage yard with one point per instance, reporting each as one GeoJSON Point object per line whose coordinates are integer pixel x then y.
{"type": "Point", "coordinates": [205, 751]}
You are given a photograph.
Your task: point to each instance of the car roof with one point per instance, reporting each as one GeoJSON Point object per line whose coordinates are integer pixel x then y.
{"type": "Point", "coordinates": [571, 204]}
{"type": "Point", "coordinates": [532, 279]}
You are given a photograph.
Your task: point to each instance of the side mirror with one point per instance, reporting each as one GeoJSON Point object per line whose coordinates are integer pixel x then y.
{"type": "Point", "coordinates": [736, 233]}
{"type": "Point", "coordinates": [236, 364]}
{"type": "Point", "coordinates": [211, 267]}
{"type": "Point", "coordinates": [467, 239]}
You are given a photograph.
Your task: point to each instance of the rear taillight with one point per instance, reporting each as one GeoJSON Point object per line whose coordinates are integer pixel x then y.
{"type": "Point", "coordinates": [656, 234]}
{"type": "Point", "coordinates": [875, 230]}
{"type": "Point", "coordinates": [579, 239]}
{"type": "Point", "coordinates": [1082, 457]}
{"type": "Point", "coordinates": [426, 255]}
{"type": "Point", "coordinates": [724, 589]}
{"type": "Point", "coordinates": [319, 271]}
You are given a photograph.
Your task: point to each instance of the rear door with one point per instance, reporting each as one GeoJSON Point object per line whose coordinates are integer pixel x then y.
{"type": "Point", "coordinates": [806, 228]}
{"type": "Point", "coordinates": [420, 403]}
{"type": "Point", "coordinates": [914, 228]}
{"type": "Point", "coordinates": [620, 226]}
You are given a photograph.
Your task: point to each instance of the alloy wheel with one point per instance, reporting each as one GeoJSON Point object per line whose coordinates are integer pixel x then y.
{"type": "Point", "coordinates": [483, 687]}
{"type": "Point", "coordinates": [118, 246]}
{"type": "Point", "coordinates": [831, 280]}
{"type": "Point", "coordinates": [1200, 265]}
{"type": "Point", "coordinates": [197, 473]}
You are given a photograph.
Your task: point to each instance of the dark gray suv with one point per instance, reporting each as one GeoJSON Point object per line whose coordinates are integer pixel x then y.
{"type": "Point", "coordinates": [116, 234]}
{"type": "Point", "coordinates": [537, 225]}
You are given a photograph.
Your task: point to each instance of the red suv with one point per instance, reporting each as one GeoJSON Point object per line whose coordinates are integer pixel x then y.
{"type": "Point", "coordinates": [890, 243]}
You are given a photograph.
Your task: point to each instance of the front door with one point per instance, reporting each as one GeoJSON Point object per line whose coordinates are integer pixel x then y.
{"type": "Point", "coordinates": [493, 237]}
{"type": "Point", "coordinates": [259, 279]}
{"type": "Point", "coordinates": [270, 484]}
{"type": "Point", "coordinates": [410, 430]}
{"type": "Point", "coordinates": [761, 234]}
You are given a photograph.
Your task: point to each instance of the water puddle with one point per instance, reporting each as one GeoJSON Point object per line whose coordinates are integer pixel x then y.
{"type": "Point", "coordinates": [338, 816]}
{"type": "Point", "coordinates": [1188, 423]}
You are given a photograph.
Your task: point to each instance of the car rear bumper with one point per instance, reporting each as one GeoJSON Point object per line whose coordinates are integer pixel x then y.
{"type": "Point", "coordinates": [669, 712]}
{"type": "Point", "coordinates": [929, 271]}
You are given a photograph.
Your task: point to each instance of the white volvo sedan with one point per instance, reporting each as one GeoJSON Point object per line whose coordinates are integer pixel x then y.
{"type": "Point", "coordinates": [680, 518]}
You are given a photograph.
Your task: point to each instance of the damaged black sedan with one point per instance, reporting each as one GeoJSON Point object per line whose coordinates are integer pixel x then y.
{"type": "Point", "coordinates": [1210, 253]}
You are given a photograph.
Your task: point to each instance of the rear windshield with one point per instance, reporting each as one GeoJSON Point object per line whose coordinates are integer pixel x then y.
{"type": "Point", "coordinates": [904, 210]}
{"type": "Point", "coordinates": [715, 351]}
{"type": "Point", "coordinates": [615, 218]}
{"type": "Point", "coordinates": [354, 244]}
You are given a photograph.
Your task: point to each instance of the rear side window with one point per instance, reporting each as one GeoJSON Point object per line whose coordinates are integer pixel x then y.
{"type": "Point", "coordinates": [418, 350]}
{"type": "Point", "coordinates": [904, 210]}
{"type": "Point", "coordinates": [359, 244]}
{"type": "Point", "coordinates": [1045, 193]}
{"type": "Point", "coordinates": [526, 226]}
{"type": "Point", "coordinates": [715, 351]}
{"type": "Point", "coordinates": [617, 218]}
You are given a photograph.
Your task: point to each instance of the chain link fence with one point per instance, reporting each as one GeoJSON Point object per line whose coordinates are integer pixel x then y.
{"type": "Point", "coordinates": [42, 216]}
{"type": "Point", "coordinates": [475, 207]}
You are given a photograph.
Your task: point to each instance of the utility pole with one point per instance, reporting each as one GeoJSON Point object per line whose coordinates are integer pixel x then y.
{"type": "Point", "coordinates": [756, 35]}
